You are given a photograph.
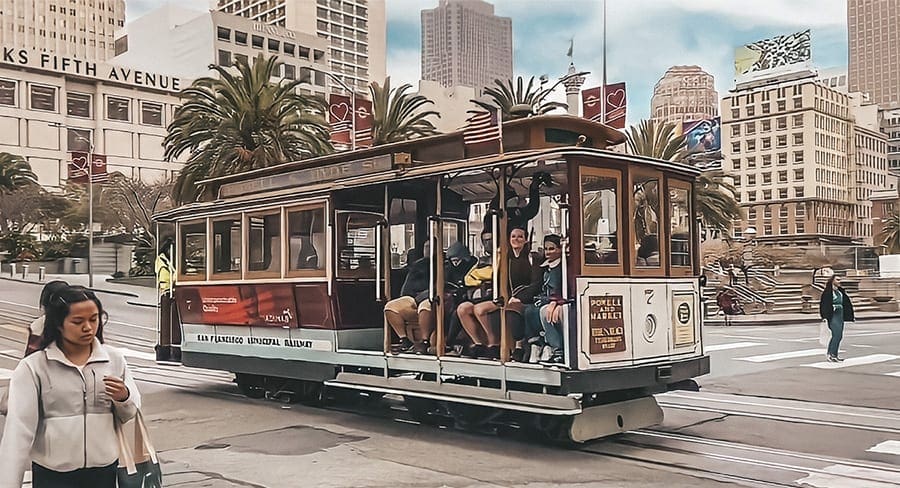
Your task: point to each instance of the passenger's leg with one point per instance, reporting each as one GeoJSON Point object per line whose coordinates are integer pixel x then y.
{"type": "Point", "coordinates": [470, 324]}
{"type": "Point", "coordinates": [551, 332]}
{"type": "Point", "coordinates": [397, 312]}
{"type": "Point", "coordinates": [481, 311]}
{"type": "Point", "coordinates": [426, 324]}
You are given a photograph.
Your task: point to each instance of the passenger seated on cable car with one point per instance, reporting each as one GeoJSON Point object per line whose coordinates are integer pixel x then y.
{"type": "Point", "coordinates": [544, 317]}
{"type": "Point", "coordinates": [524, 281]}
{"type": "Point", "coordinates": [412, 307]}
{"type": "Point", "coordinates": [519, 213]}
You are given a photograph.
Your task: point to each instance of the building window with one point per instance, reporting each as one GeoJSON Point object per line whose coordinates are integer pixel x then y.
{"type": "Point", "coordinates": [751, 197]}
{"type": "Point", "coordinates": [238, 57]}
{"type": "Point", "coordinates": [8, 93]}
{"type": "Point", "coordinates": [782, 159]}
{"type": "Point", "coordinates": [782, 123]}
{"type": "Point", "coordinates": [257, 42]}
{"type": "Point", "coordinates": [783, 229]}
{"type": "Point", "coordinates": [320, 78]}
{"type": "Point", "coordinates": [240, 38]}
{"type": "Point", "coordinates": [750, 128]}
{"type": "Point", "coordinates": [751, 214]}
{"type": "Point", "coordinates": [781, 105]}
{"type": "Point", "coordinates": [751, 111]}
{"type": "Point", "coordinates": [151, 114]}
{"type": "Point", "coordinates": [767, 195]}
{"type": "Point", "coordinates": [223, 33]}
{"type": "Point", "coordinates": [118, 109]}
{"type": "Point", "coordinates": [736, 164]}
{"type": "Point", "coordinates": [782, 193]}
{"type": "Point", "coordinates": [798, 120]}
{"type": "Point", "coordinates": [798, 156]}
{"type": "Point", "coordinates": [798, 139]}
{"type": "Point", "coordinates": [751, 162]}
{"type": "Point", "coordinates": [43, 98]}
{"type": "Point", "coordinates": [766, 160]}
{"type": "Point", "coordinates": [78, 140]}
{"type": "Point", "coordinates": [782, 177]}
{"type": "Point", "coordinates": [766, 125]}
{"type": "Point", "coordinates": [766, 142]}
{"type": "Point", "coordinates": [767, 178]}
{"type": "Point", "coordinates": [290, 71]}
{"type": "Point", "coordinates": [303, 52]}
{"type": "Point", "coordinates": [224, 58]}
{"type": "Point", "coordinates": [736, 130]}
{"type": "Point", "coordinates": [274, 45]}
{"type": "Point", "coordinates": [751, 179]}
{"type": "Point", "coordinates": [751, 144]}
{"type": "Point", "coordinates": [289, 49]}
{"type": "Point", "coordinates": [767, 229]}
{"type": "Point", "coordinates": [798, 193]}
{"type": "Point", "coordinates": [735, 113]}
{"type": "Point", "coordinates": [318, 55]}
{"type": "Point", "coordinates": [78, 105]}
{"type": "Point", "coordinates": [798, 103]}
{"type": "Point", "coordinates": [801, 228]}
{"type": "Point", "coordinates": [765, 108]}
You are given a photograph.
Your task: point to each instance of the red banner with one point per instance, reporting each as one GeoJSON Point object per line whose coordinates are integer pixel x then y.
{"type": "Point", "coordinates": [78, 168]}
{"type": "Point", "coordinates": [615, 105]}
{"type": "Point", "coordinates": [270, 305]}
{"type": "Point", "coordinates": [364, 121]}
{"type": "Point", "coordinates": [339, 113]}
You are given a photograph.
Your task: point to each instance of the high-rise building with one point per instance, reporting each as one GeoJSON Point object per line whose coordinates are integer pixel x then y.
{"type": "Point", "coordinates": [684, 93]}
{"type": "Point", "coordinates": [890, 125]}
{"type": "Point", "coordinates": [806, 159]}
{"type": "Point", "coordinates": [184, 42]}
{"type": "Point", "coordinates": [82, 29]}
{"type": "Point", "coordinates": [356, 31]}
{"type": "Point", "coordinates": [874, 40]}
{"type": "Point", "coordinates": [464, 43]}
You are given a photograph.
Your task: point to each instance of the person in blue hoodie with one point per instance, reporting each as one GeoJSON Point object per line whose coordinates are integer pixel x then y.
{"type": "Point", "coordinates": [544, 316]}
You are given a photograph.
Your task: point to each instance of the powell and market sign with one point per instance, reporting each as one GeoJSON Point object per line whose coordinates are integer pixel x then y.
{"type": "Point", "coordinates": [99, 71]}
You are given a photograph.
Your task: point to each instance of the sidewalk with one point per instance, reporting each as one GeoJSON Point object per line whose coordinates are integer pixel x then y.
{"type": "Point", "coordinates": [137, 295]}
{"type": "Point", "coordinates": [790, 318]}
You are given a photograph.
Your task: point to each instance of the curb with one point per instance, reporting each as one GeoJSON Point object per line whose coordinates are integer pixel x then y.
{"type": "Point", "coordinates": [97, 290]}
{"type": "Point", "coordinates": [776, 322]}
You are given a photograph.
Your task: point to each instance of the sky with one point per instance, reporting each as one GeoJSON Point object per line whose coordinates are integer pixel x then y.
{"type": "Point", "coordinates": [644, 37]}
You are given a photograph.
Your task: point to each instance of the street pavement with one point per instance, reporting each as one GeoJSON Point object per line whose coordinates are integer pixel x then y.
{"type": "Point", "coordinates": [772, 409]}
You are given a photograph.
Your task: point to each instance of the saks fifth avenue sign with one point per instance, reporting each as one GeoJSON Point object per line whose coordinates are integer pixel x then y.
{"type": "Point", "coordinates": [99, 71]}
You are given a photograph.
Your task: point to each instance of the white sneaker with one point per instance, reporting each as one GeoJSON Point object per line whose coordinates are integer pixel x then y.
{"type": "Point", "coordinates": [546, 353]}
{"type": "Point", "coordinates": [534, 354]}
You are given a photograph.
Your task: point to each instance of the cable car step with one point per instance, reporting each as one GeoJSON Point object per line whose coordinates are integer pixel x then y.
{"type": "Point", "coordinates": [614, 418]}
{"type": "Point", "coordinates": [473, 395]}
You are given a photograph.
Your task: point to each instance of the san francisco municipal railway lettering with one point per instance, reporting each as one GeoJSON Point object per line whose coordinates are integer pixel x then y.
{"type": "Point", "coordinates": [255, 341]}
{"type": "Point", "coordinates": [606, 324]}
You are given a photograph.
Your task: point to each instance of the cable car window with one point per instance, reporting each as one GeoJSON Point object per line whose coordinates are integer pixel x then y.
{"type": "Point", "coordinates": [226, 247]}
{"type": "Point", "coordinates": [600, 223]}
{"type": "Point", "coordinates": [403, 230]}
{"type": "Point", "coordinates": [680, 216]}
{"type": "Point", "coordinates": [192, 250]}
{"type": "Point", "coordinates": [264, 243]}
{"type": "Point", "coordinates": [356, 244]}
{"type": "Point", "coordinates": [306, 243]}
{"type": "Point", "coordinates": [646, 221]}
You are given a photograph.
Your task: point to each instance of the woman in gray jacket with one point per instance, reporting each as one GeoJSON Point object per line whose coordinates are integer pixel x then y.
{"type": "Point", "coordinates": [64, 401]}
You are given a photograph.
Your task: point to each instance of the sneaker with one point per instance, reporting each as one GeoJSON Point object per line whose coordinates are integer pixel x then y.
{"type": "Point", "coordinates": [475, 351]}
{"type": "Point", "coordinates": [421, 348]}
{"type": "Point", "coordinates": [406, 345]}
{"type": "Point", "coordinates": [546, 353]}
{"type": "Point", "coordinates": [832, 359]}
{"type": "Point", "coordinates": [534, 355]}
{"type": "Point", "coordinates": [491, 352]}
{"type": "Point", "coordinates": [839, 359]}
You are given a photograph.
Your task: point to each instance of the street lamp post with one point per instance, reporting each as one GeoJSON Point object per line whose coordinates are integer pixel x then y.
{"type": "Point", "coordinates": [90, 175]}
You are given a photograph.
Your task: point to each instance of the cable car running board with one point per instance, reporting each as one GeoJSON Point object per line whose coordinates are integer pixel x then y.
{"type": "Point", "coordinates": [472, 395]}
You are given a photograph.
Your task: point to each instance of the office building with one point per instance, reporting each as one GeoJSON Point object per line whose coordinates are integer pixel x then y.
{"type": "Point", "coordinates": [112, 110]}
{"type": "Point", "coordinates": [464, 43]}
{"type": "Point", "coordinates": [355, 31]}
{"type": "Point", "coordinates": [82, 29]}
{"type": "Point", "coordinates": [873, 42]}
{"type": "Point", "coordinates": [890, 125]}
{"type": "Point", "coordinates": [185, 42]}
{"type": "Point", "coordinates": [684, 93]}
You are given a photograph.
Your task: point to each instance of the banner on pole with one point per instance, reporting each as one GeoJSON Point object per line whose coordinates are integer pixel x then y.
{"type": "Point", "coordinates": [339, 113]}
{"type": "Point", "coordinates": [610, 102]}
{"type": "Point", "coordinates": [78, 169]}
{"type": "Point", "coordinates": [364, 122]}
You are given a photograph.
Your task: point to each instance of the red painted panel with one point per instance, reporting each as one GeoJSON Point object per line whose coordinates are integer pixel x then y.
{"type": "Point", "coordinates": [315, 306]}
{"type": "Point", "coordinates": [265, 305]}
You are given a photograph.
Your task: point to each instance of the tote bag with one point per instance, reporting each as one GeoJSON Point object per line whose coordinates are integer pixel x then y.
{"type": "Point", "coordinates": [138, 465]}
{"type": "Point", "coordinates": [824, 332]}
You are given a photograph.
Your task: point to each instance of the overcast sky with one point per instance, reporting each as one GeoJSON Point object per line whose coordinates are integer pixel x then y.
{"type": "Point", "coordinates": [644, 37]}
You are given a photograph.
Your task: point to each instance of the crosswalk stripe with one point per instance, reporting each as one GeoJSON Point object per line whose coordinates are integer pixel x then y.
{"type": "Point", "coordinates": [782, 355]}
{"type": "Point", "coordinates": [850, 477]}
{"type": "Point", "coordinates": [887, 447]}
{"type": "Point", "coordinates": [859, 361]}
{"type": "Point", "coordinates": [733, 345]}
{"type": "Point", "coordinates": [897, 374]}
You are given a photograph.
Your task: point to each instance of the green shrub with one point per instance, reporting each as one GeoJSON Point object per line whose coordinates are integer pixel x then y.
{"type": "Point", "coordinates": [20, 247]}
{"type": "Point", "coordinates": [143, 262]}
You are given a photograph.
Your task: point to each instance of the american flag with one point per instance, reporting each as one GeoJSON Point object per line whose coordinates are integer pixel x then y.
{"type": "Point", "coordinates": [483, 126]}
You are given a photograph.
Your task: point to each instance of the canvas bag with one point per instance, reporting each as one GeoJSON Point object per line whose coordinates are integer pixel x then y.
{"type": "Point", "coordinates": [138, 464]}
{"type": "Point", "coordinates": [824, 332]}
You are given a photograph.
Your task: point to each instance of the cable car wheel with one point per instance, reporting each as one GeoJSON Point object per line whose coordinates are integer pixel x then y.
{"type": "Point", "coordinates": [251, 385]}
{"type": "Point", "coordinates": [553, 428]}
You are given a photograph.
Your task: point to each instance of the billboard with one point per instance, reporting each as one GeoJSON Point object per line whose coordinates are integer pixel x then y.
{"type": "Point", "coordinates": [265, 305]}
{"type": "Point", "coordinates": [772, 53]}
{"type": "Point", "coordinates": [702, 135]}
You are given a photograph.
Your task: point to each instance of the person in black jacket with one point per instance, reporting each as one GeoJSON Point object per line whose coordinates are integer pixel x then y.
{"type": "Point", "coordinates": [836, 308]}
{"type": "Point", "coordinates": [412, 306]}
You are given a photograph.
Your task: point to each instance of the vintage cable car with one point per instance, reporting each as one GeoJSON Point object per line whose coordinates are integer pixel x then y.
{"type": "Point", "coordinates": [282, 279]}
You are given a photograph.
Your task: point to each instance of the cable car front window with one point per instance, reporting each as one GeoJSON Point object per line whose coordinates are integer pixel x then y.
{"type": "Point", "coordinates": [193, 250]}
{"type": "Point", "coordinates": [601, 226]}
{"type": "Point", "coordinates": [680, 215]}
{"type": "Point", "coordinates": [356, 244]}
{"type": "Point", "coordinates": [646, 221]}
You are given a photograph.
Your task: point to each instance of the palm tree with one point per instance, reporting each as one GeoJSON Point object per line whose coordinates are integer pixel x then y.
{"type": "Point", "coordinates": [715, 196]}
{"type": "Point", "coordinates": [15, 173]}
{"type": "Point", "coordinates": [241, 122]}
{"type": "Point", "coordinates": [660, 141]}
{"type": "Point", "coordinates": [890, 232]}
{"type": "Point", "coordinates": [397, 115]}
{"type": "Point", "coordinates": [510, 99]}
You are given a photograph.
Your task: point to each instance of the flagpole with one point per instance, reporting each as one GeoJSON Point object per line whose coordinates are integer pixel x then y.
{"type": "Point", "coordinates": [603, 69]}
{"type": "Point", "coordinates": [500, 128]}
{"type": "Point", "coordinates": [91, 216]}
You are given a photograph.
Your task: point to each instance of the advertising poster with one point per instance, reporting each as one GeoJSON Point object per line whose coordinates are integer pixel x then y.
{"type": "Point", "coordinates": [772, 53]}
{"type": "Point", "coordinates": [683, 320]}
{"type": "Point", "coordinates": [607, 324]}
{"type": "Point", "coordinates": [703, 135]}
{"type": "Point", "coordinates": [269, 305]}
